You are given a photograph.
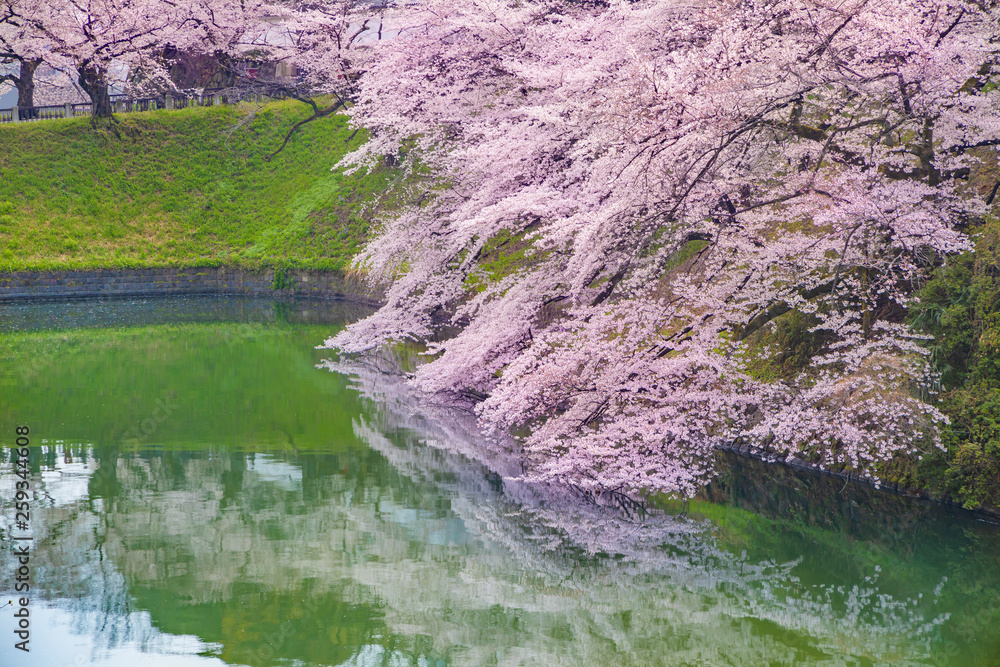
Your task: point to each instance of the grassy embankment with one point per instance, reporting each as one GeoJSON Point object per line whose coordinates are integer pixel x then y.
{"type": "Point", "coordinates": [185, 188]}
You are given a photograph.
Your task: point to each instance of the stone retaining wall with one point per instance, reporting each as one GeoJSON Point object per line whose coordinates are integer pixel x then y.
{"type": "Point", "coordinates": [28, 285]}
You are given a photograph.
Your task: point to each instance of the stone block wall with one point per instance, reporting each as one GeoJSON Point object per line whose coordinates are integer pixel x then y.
{"type": "Point", "coordinates": [29, 285]}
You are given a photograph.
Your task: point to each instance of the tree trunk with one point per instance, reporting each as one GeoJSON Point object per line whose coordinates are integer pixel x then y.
{"type": "Point", "coordinates": [25, 83]}
{"type": "Point", "coordinates": [94, 83]}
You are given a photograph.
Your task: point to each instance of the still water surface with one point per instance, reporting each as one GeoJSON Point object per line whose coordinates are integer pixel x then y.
{"type": "Point", "coordinates": [205, 495]}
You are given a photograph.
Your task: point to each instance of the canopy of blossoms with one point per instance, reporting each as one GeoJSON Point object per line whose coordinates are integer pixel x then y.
{"type": "Point", "coordinates": [628, 196]}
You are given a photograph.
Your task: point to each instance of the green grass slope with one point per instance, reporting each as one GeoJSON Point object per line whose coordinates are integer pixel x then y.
{"type": "Point", "coordinates": [185, 188]}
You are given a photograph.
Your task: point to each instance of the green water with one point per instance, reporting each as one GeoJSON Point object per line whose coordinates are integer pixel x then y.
{"type": "Point", "coordinates": [203, 494]}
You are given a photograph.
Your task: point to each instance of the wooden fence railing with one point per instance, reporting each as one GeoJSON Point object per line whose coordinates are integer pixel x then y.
{"type": "Point", "coordinates": [125, 104]}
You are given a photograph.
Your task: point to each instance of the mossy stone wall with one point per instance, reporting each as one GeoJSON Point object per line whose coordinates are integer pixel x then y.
{"type": "Point", "coordinates": [41, 285]}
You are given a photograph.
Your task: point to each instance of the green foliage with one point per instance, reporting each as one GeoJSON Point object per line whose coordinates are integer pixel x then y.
{"type": "Point", "coordinates": [502, 255]}
{"type": "Point", "coordinates": [6, 209]}
{"type": "Point", "coordinates": [783, 349]}
{"type": "Point", "coordinates": [185, 188]}
{"type": "Point", "coordinates": [945, 311]}
{"type": "Point", "coordinates": [959, 307]}
{"type": "Point", "coordinates": [684, 253]}
{"type": "Point", "coordinates": [973, 439]}
{"type": "Point", "coordinates": [281, 280]}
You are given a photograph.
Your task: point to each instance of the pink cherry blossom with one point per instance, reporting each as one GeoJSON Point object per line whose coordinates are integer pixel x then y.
{"type": "Point", "coordinates": [676, 176]}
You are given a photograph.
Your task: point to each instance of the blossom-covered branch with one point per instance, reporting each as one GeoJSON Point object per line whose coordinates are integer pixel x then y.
{"type": "Point", "coordinates": [630, 196]}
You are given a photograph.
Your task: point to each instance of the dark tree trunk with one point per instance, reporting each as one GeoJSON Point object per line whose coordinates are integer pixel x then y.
{"type": "Point", "coordinates": [94, 83]}
{"type": "Point", "coordinates": [25, 83]}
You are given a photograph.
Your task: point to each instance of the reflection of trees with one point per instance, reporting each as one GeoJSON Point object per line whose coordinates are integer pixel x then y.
{"type": "Point", "coordinates": [562, 558]}
{"type": "Point", "coordinates": [171, 536]}
{"type": "Point", "coordinates": [424, 543]}
{"type": "Point", "coordinates": [70, 559]}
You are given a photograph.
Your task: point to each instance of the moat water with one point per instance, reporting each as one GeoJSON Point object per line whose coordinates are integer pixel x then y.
{"type": "Point", "coordinates": [205, 492]}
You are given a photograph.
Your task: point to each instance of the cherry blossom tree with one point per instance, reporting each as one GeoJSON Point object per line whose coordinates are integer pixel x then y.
{"type": "Point", "coordinates": [19, 47]}
{"type": "Point", "coordinates": [325, 41]}
{"type": "Point", "coordinates": [629, 199]}
{"type": "Point", "coordinates": [328, 41]}
{"type": "Point", "coordinates": [26, 54]}
{"type": "Point", "coordinates": [229, 30]}
{"type": "Point", "coordinates": [99, 40]}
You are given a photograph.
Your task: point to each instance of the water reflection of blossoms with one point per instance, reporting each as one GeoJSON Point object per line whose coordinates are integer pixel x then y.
{"type": "Point", "coordinates": [600, 560]}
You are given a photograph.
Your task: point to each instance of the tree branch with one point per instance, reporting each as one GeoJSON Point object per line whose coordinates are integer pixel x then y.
{"type": "Point", "coordinates": [316, 114]}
